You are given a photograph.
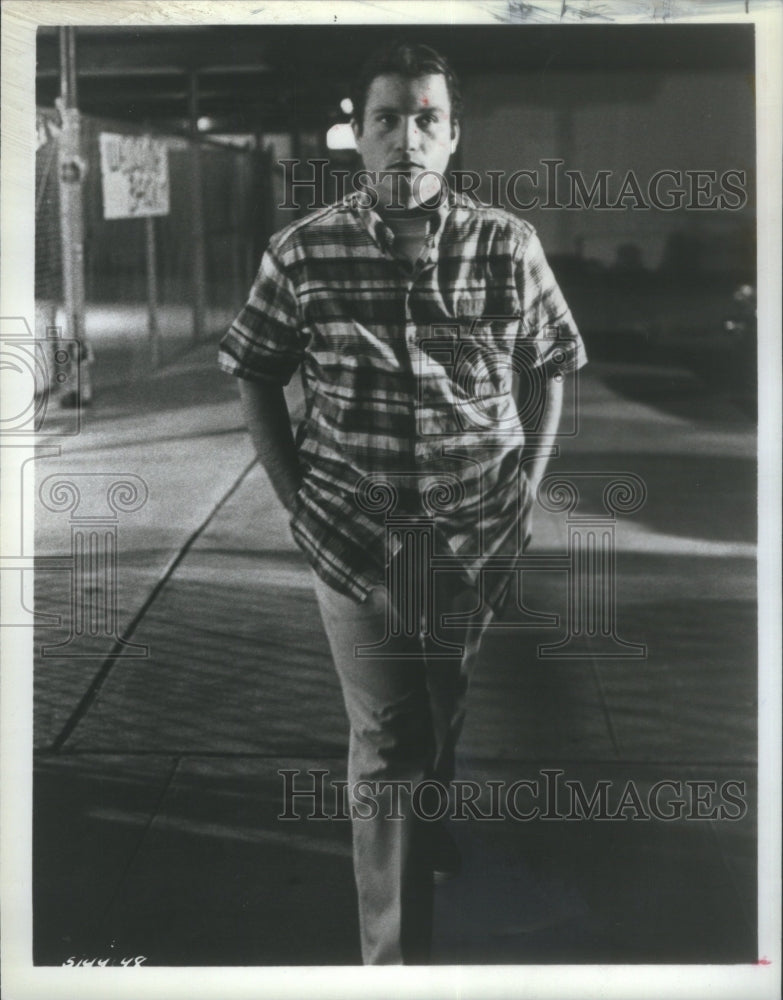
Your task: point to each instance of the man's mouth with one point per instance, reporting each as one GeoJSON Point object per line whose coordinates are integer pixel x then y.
{"type": "Point", "coordinates": [404, 165]}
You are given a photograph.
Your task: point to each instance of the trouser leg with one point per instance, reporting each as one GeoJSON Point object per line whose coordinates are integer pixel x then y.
{"type": "Point", "coordinates": [406, 712]}
{"type": "Point", "coordinates": [391, 739]}
{"type": "Point", "coordinates": [448, 679]}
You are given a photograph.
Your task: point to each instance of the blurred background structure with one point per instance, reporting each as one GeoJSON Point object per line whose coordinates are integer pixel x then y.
{"type": "Point", "coordinates": [227, 104]}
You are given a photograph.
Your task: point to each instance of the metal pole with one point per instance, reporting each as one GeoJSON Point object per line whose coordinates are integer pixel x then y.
{"type": "Point", "coordinates": [153, 327]}
{"type": "Point", "coordinates": [68, 67]}
{"type": "Point", "coordinates": [197, 214]}
{"type": "Point", "coordinates": [150, 260]}
{"type": "Point", "coordinates": [71, 177]}
{"type": "Point", "coordinates": [236, 223]}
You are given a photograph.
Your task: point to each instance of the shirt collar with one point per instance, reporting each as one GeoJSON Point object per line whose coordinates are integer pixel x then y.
{"type": "Point", "coordinates": [357, 202]}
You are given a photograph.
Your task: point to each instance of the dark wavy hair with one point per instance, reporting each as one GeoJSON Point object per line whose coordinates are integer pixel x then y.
{"type": "Point", "coordinates": [407, 59]}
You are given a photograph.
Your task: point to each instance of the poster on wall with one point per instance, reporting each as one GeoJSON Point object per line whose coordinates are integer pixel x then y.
{"type": "Point", "coordinates": [134, 175]}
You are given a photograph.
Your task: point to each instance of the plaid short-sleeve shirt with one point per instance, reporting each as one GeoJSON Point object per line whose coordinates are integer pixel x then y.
{"type": "Point", "coordinates": [418, 379]}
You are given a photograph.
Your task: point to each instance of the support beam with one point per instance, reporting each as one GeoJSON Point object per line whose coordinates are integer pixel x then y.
{"type": "Point", "coordinates": [71, 178]}
{"type": "Point", "coordinates": [197, 214]}
{"type": "Point", "coordinates": [153, 325]}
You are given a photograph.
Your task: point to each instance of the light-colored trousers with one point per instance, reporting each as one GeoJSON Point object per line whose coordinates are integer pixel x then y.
{"type": "Point", "coordinates": [406, 710]}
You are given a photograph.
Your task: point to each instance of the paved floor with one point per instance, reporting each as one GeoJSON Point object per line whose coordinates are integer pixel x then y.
{"type": "Point", "coordinates": [157, 784]}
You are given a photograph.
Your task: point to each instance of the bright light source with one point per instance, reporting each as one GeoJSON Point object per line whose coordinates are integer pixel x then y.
{"type": "Point", "coordinates": [204, 124]}
{"type": "Point", "coordinates": [346, 106]}
{"type": "Point", "coordinates": [340, 136]}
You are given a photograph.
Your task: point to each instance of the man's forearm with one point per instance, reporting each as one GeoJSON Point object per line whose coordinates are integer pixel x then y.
{"type": "Point", "coordinates": [538, 455]}
{"type": "Point", "coordinates": [269, 424]}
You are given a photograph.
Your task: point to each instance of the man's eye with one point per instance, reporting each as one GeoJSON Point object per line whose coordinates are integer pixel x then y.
{"type": "Point", "coordinates": [386, 119]}
{"type": "Point", "coordinates": [428, 119]}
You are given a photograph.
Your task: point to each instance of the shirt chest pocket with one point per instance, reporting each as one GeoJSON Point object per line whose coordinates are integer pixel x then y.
{"type": "Point", "coordinates": [487, 356]}
{"type": "Point", "coordinates": [486, 299]}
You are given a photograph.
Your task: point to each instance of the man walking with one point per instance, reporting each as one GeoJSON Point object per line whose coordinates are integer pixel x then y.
{"type": "Point", "coordinates": [432, 340]}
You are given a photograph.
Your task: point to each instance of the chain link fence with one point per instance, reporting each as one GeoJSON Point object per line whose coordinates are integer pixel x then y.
{"type": "Point", "coordinates": [142, 307]}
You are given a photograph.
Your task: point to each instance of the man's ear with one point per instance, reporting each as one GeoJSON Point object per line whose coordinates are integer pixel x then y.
{"type": "Point", "coordinates": [454, 136]}
{"type": "Point", "coordinates": [357, 130]}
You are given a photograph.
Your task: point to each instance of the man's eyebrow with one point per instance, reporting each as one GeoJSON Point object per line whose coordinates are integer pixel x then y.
{"type": "Point", "coordinates": [393, 109]}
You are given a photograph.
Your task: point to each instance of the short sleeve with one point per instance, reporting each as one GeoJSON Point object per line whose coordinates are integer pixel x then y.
{"type": "Point", "coordinates": [265, 342]}
{"type": "Point", "coordinates": [548, 329]}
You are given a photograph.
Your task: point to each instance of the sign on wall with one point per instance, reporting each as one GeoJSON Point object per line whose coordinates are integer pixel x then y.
{"type": "Point", "coordinates": [135, 175]}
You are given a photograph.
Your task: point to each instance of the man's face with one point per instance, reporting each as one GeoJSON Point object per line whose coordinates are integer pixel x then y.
{"type": "Point", "coordinates": [408, 133]}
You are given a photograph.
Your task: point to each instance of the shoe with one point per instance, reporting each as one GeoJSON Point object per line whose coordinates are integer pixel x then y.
{"type": "Point", "coordinates": [444, 855]}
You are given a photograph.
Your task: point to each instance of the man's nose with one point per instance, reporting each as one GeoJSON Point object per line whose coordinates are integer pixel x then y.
{"type": "Point", "coordinates": [411, 135]}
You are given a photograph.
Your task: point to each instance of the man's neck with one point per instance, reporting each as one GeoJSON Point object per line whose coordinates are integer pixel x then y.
{"type": "Point", "coordinates": [414, 211]}
{"type": "Point", "coordinates": [410, 226]}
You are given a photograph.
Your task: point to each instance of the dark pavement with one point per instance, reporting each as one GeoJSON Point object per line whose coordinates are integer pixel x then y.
{"type": "Point", "coordinates": [157, 786]}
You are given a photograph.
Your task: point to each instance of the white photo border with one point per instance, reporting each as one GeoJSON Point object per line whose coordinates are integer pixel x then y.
{"type": "Point", "coordinates": [22, 980]}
